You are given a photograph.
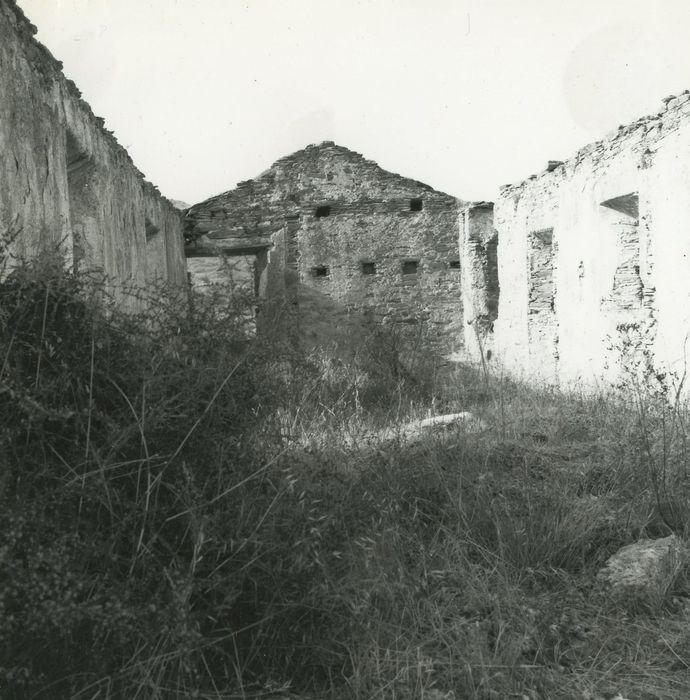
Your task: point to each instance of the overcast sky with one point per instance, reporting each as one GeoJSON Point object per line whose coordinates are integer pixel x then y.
{"type": "Point", "coordinates": [465, 95]}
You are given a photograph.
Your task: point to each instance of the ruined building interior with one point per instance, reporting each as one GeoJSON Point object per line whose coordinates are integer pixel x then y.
{"type": "Point", "coordinates": [557, 279]}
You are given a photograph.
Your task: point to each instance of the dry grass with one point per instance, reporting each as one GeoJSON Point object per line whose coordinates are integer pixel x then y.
{"type": "Point", "coordinates": [187, 512]}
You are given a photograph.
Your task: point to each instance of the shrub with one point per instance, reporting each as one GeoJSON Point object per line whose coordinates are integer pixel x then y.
{"type": "Point", "coordinates": [190, 511]}
{"type": "Point", "coordinates": [125, 443]}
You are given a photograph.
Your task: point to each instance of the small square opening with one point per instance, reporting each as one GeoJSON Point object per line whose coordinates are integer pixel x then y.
{"type": "Point", "coordinates": [320, 271]}
{"type": "Point", "coordinates": [409, 267]}
{"type": "Point", "coordinates": [454, 264]}
{"type": "Point", "coordinates": [416, 204]}
{"type": "Point", "coordinates": [322, 211]}
{"type": "Point", "coordinates": [368, 268]}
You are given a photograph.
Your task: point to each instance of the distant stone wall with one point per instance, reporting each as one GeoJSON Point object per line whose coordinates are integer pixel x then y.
{"type": "Point", "coordinates": [593, 256]}
{"type": "Point", "coordinates": [235, 273]}
{"type": "Point", "coordinates": [65, 182]}
{"type": "Point", "coordinates": [359, 246]}
{"type": "Point", "coordinates": [390, 264]}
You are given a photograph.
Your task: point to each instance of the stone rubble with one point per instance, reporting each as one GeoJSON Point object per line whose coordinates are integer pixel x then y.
{"type": "Point", "coordinates": [643, 574]}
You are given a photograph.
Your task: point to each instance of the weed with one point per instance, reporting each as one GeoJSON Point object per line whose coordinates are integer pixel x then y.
{"type": "Point", "coordinates": [188, 510]}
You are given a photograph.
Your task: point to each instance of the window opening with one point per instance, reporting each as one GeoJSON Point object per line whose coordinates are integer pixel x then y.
{"type": "Point", "coordinates": [416, 204]}
{"type": "Point", "coordinates": [627, 290]}
{"type": "Point", "coordinates": [151, 229]}
{"type": "Point", "coordinates": [409, 267]}
{"type": "Point", "coordinates": [323, 211]}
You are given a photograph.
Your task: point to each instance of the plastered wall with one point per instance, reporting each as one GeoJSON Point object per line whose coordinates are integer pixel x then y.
{"type": "Point", "coordinates": [66, 185]}
{"type": "Point", "coordinates": [594, 257]}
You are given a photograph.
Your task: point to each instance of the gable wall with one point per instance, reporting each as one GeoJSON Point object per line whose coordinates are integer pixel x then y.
{"type": "Point", "coordinates": [370, 221]}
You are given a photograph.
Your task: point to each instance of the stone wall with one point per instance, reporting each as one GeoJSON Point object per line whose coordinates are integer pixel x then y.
{"type": "Point", "coordinates": [358, 245]}
{"type": "Point", "coordinates": [235, 272]}
{"type": "Point", "coordinates": [480, 285]}
{"type": "Point", "coordinates": [66, 185]}
{"type": "Point", "coordinates": [594, 254]}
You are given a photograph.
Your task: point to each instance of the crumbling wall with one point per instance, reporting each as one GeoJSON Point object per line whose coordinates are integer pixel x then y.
{"type": "Point", "coordinates": [389, 264]}
{"type": "Point", "coordinates": [356, 244]}
{"type": "Point", "coordinates": [236, 272]}
{"type": "Point", "coordinates": [66, 185]}
{"type": "Point", "coordinates": [542, 322]}
{"type": "Point", "coordinates": [620, 223]}
{"type": "Point", "coordinates": [480, 284]}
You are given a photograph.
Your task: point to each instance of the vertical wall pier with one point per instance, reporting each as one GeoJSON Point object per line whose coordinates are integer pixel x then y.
{"type": "Point", "coordinates": [261, 274]}
{"type": "Point", "coordinates": [542, 327]}
{"type": "Point", "coordinates": [480, 287]}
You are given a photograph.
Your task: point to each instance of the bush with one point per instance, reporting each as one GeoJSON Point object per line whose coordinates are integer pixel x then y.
{"type": "Point", "coordinates": [158, 530]}
{"type": "Point", "coordinates": [190, 511]}
{"type": "Point", "coordinates": [128, 451]}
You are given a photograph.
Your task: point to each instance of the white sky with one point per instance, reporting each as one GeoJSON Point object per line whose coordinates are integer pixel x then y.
{"type": "Point", "coordinates": [465, 95]}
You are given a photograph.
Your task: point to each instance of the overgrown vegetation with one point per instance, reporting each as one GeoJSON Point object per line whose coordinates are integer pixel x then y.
{"type": "Point", "coordinates": [186, 511]}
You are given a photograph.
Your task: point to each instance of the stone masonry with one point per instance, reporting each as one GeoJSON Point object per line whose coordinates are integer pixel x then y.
{"type": "Point", "coordinates": [480, 284]}
{"type": "Point", "coordinates": [344, 240]}
{"type": "Point", "coordinates": [66, 185]}
{"type": "Point", "coordinates": [594, 253]}
{"type": "Point", "coordinates": [577, 274]}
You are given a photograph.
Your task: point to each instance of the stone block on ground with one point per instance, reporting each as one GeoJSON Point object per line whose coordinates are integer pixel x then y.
{"type": "Point", "coordinates": [643, 573]}
{"type": "Point", "coordinates": [464, 421]}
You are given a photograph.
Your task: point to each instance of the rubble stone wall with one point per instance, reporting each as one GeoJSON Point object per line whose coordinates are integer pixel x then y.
{"type": "Point", "coordinates": [478, 247]}
{"type": "Point", "coordinates": [65, 183]}
{"type": "Point", "coordinates": [358, 244]}
{"type": "Point", "coordinates": [595, 254]}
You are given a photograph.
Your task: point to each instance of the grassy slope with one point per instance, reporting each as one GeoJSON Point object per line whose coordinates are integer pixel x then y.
{"type": "Point", "coordinates": [188, 513]}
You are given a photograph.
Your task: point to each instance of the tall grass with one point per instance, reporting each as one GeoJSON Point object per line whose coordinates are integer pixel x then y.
{"type": "Point", "coordinates": [188, 511]}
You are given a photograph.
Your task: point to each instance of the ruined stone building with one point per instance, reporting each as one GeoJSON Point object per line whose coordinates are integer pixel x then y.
{"type": "Point", "coordinates": [66, 185]}
{"type": "Point", "coordinates": [595, 253]}
{"type": "Point", "coordinates": [565, 277]}
{"type": "Point", "coordinates": [570, 276]}
{"type": "Point", "coordinates": [344, 242]}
